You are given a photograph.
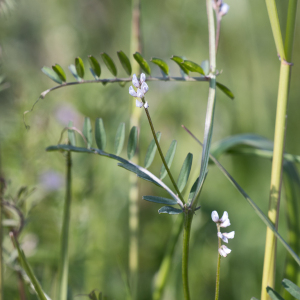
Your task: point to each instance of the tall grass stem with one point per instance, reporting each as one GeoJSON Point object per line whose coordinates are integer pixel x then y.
{"type": "Point", "coordinates": [64, 258]}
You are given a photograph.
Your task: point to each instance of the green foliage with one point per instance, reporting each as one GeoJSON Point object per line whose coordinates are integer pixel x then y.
{"type": "Point", "coordinates": [185, 172]}
{"type": "Point", "coordinates": [292, 288]}
{"type": "Point", "coordinates": [160, 200]}
{"type": "Point", "coordinates": [142, 62]}
{"type": "Point", "coordinates": [109, 63]}
{"type": "Point", "coordinates": [162, 65]}
{"type": "Point", "coordinates": [193, 67]}
{"type": "Point", "coordinates": [60, 72]}
{"type": "Point", "coordinates": [87, 131]}
{"type": "Point", "coordinates": [119, 139]}
{"type": "Point", "coordinates": [79, 67]}
{"type": "Point", "coordinates": [169, 159]}
{"type": "Point", "coordinates": [225, 90]}
{"type": "Point", "coordinates": [151, 151]}
{"type": "Point", "coordinates": [169, 210]}
{"type": "Point", "coordinates": [179, 60]}
{"type": "Point", "coordinates": [125, 62]}
{"type": "Point", "coordinates": [100, 134]}
{"type": "Point", "coordinates": [132, 142]}
{"type": "Point", "coordinates": [52, 75]}
{"type": "Point", "coordinates": [95, 66]}
{"type": "Point", "coordinates": [73, 70]}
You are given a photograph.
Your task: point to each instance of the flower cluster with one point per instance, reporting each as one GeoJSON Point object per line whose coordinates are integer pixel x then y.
{"type": "Point", "coordinates": [142, 89]}
{"type": "Point", "coordinates": [223, 222]}
{"type": "Point", "coordinates": [220, 7]}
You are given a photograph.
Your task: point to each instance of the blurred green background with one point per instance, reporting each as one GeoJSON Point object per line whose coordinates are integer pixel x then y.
{"type": "Point", "coordinates": [41, 33]}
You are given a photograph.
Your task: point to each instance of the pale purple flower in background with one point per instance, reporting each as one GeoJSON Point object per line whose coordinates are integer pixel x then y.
{"type": "Point", "coordinates": [225, 236]}
{"type": "Point", "coordinates": [224, 9]}
{"type": "Point", "coordinates": [65, 113]}
{"type": "Point", "coordinates": [51, 180]}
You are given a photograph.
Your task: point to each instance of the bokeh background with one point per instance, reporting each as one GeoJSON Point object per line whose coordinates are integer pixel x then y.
{"type": "Point", "coordinates": [41, 33]}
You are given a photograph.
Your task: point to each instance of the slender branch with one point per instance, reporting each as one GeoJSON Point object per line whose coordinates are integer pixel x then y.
{"type": "Point", "coordinates": [218, 269]}
{"type": "Point", "coordinates": [64, 259]}
{"type": "Point", "coordinates": [188, 217]}
{"type": "Point", "coordinates": [162, 155]}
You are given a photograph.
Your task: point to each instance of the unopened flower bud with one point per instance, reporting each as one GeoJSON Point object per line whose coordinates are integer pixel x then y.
{"type": "Point", "coordinates": [224, 9]}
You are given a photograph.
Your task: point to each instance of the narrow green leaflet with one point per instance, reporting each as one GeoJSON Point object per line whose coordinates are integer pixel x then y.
{"type": "Point", "coordinates": [87, 131]}
{"type": "Point", "coordinates": [205, 67]}
{"type": "Point", "coordinates": [74, 72]}
{"type": "Point", "coordinates": [273, 294]}
{"type": "Point", "coordinates": [38, 289]}
{"type": "Point", "coordinates": [151, 151]}
{"type": "Point", "coordinates": [179, 62]}
{"type": "Point", "coordinates": [60, 72]}
{"type": "Point", "coordinates": [79, 67]}
{"type": "Point", "coordinates": [100, 135]}
{"type": "Point", "coordinates": [125, 62]}
{"type": "Point", "coordinates": [109, 63]}
{"type": "Point", "coordinates": [160, 200]}
{"type": "Point", "coordinates": [132, 142]}
{"type": "Point", "coordinates": [193, 67]}
{"type": "Point", "coordinates": [52, 75]}
{"type": "Point", "coordinates": [185, 172]}
{"type": "Point", "coordinates": [162, 64]}
{"type": "Point", "coordinates": [128, 165]}
{"type": "Point", "coordinates": [292, 288]}
{"type": "Point", "coordinates": [225, 90]}
{"type": "Point", "coordinates": [142, 62]}
{"type": "Point", "coordinates": [169, 159]}
{"type": "Point", "coordinates": [169, 210]}
{"type": "Point", "coordinates": [95, 66]}
{"type": "Point", "coordinates": [71, 135]}
{"type": "Point", "coordinates": [119, 139]}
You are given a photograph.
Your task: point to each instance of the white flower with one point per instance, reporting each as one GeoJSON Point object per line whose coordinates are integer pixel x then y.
{"type": "Point", "coordinates": [225, 236]}
{"type": "Point", "coordinates": [224, 221]}
{"type": "Point", "coordinates": [146, 105]}
{"type": "Point", "coordinates": [135, 82]}
{"type": "Point", "coordinates": [223, 250]}
{"type": "Point", "coordinates": [142, 86]}
{"type": "Point", "coordinates": [138, 103]}
{"type": "Point", "coordinates": [224, 9]}
{"type": "Point", "coordinates": [132, 92]}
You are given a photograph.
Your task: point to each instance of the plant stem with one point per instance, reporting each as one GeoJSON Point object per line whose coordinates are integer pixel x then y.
{"type": "Point", "coordinates": [218, 269]}
{"type": "Point", "coordinates": [2, 187]}
{"type": "Point", "coordinates": [135, 45]}
{"type": "Point", "coordinates": [188, 217]}
{"type": "Point", "coordinates": [279, 137]}
{"type": "Point", "coordinates": [162, 155]}
{"type": "Point", "coordinates": [64, 258]}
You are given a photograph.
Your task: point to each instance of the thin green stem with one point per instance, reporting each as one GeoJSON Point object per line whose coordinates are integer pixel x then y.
{"type": "Point", "coordinates": [64, 258]}
{"type": "Point", "coordinates": [188, 217]}
{"type": "Point", "coordinates": [2, 187]}
{"type": "Point", "coordinates": [274, 19]}
{"type": "Point", "coordinates": [162, 155]}
{"type": "Point", "coordinates": [269, 268]}
{"type": "Point", "coordinates": [218, 269]}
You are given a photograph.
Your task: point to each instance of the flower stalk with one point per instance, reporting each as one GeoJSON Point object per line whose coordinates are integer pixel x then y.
{"type": "Point", "coordinates": [285, 53]}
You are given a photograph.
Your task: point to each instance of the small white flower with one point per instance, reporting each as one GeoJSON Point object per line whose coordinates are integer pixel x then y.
{"type": "Point", "coordinates": [135, 82]}
{"type": "Point", "coordinates": [224, 9]}
{"type": "Point", "coordinates": [146, 105]}
{"type": "Point", "coordinates": [223, 250]}
{"type": "Point", "coordinates": [140, 93]}
{"type": "Point", "coordinates": [225, 236]}
{"type": "Point", "coordinates": [144, 87]}
{"type": "Point", "coordinates": [142, 78]}
{"type": "Point", "coordinates": [224, 221]}
{"type": "Point", "coordinates": [132, 92]}
{"type": "Point", "coordinates": [138, 103]}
